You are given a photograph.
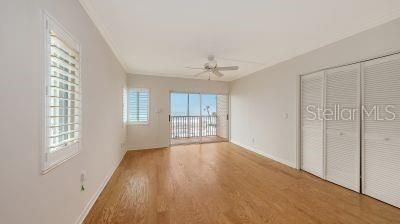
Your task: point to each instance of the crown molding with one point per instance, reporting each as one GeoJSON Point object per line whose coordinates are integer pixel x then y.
{"type": "Point", "coordinates": [104, 32]}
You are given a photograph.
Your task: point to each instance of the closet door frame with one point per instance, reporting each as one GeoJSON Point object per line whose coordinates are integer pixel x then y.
{"type": "Point", "coordinates": [298, 111]}
{"type": "Point", "coordinates": [298, 104]}
{"type": "Point", "coordinates": [362, 137]}
{"type": "Point", "coordinates": [324, 130]}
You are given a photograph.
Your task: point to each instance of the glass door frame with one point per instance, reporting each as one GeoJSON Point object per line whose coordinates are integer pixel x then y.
{"type": "Point", "coordinates": [201, 114]}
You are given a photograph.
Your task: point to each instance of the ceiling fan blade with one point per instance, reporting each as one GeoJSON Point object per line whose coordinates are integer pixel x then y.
{"type": "Point", "coordinates": [228, 68]}
{"type": "Point", "coordinates": [194, 68]}
{"type": "Point", "coordinates": [200, 73]}
{"type": "Point", "coordinates": [218, 74]}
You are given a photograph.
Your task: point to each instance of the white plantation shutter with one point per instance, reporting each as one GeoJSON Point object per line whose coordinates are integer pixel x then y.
{"type": "Point", "coordinates": [63, 96]}
{"type": "Point", "coordinates": [342, 140]}
{"type": "Point", "coordinates": [381, 138]}
{"type": "Point", "coordinates": [138, 106]}
{"type": "Point", "coordinates": [312, 128]}
{"type": "Point", "coordinates": [124, 105]}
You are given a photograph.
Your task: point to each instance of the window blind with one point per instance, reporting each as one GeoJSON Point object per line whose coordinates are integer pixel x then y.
{"type": "Point", "coordinates": [138, 105]}
{"type": "Point", "coordinates": [63, 92]}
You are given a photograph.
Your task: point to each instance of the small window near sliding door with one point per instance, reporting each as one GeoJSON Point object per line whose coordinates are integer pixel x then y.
{"type": "Point", "coordinates": [138, 106]}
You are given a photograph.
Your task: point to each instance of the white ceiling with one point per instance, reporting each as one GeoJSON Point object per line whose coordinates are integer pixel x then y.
{"type": "Point", "coordinates": [161, 37]}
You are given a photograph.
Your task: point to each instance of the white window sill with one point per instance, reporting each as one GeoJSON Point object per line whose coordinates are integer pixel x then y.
{"type": "Point", "coordinates": [61, 156]}
{"type": "Point", "coordinates": [139, 123]}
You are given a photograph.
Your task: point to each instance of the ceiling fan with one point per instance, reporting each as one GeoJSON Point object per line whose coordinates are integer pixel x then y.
{"type": "Point", "coordinates": [211, 67]}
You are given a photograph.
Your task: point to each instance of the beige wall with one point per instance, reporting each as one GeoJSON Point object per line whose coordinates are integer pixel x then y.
{"type": "Point", "coordinates": [27, 196]}
{"type": "Point", "coordinates": [156, 133]}
{"type": "Point", "coordinates": [260, 102]}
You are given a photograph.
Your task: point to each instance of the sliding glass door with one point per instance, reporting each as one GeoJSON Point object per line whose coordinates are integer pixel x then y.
{"type": "Point", "coordinates": [198, 118]}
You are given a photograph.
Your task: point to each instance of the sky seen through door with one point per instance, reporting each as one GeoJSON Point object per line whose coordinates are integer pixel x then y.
{"type": "Point", "coordinates": [193, 104]}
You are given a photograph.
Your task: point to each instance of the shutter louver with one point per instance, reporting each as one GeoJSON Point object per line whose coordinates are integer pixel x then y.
{"type": "Point", "coordinates": [138, 106]}
{"type": "Point", "coordinates": [124, 106]}
{"type": "Point", "coordinates": [63, 95]}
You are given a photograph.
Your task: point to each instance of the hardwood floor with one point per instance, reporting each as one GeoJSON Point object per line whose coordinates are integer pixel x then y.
{"type": "Point", "coordinates": [223, 183]}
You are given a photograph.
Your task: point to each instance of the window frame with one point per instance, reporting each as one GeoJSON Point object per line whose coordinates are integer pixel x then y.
{"type": "Point", "coordinates": [51, 160]}
{"type": "Point", "coordinates": [148, 107]}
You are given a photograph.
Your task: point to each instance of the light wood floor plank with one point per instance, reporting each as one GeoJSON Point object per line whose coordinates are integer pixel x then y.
{"type": "Point", "coordinates": [224, 183]}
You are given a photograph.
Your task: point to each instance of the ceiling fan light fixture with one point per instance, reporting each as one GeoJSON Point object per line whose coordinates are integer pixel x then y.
{"type": "Point", "coordinates": [212, 68]}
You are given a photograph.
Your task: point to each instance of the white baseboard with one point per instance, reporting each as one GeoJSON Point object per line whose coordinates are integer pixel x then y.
{"type": "Point", "coordinates": [146, 147]}
{"type": "Point", "coordinates": [91, 202]}
{"type": "Point", "coordinates": [253, 149]}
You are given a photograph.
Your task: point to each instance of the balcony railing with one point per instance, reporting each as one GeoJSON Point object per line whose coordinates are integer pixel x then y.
{"type": "Point", "coordinates": [193, 126]}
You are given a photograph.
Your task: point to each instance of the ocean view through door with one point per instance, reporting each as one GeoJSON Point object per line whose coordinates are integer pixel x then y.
{"type": "Point", "coordinates": [198, 118]}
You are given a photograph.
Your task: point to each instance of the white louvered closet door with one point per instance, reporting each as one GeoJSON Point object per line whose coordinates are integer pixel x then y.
{"type": "Point", "coordinates": [342, 134]}
{"type": "Point", "coordinates": [312, 128]}
{"type": "Point", "coordinates": [381, 136]}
